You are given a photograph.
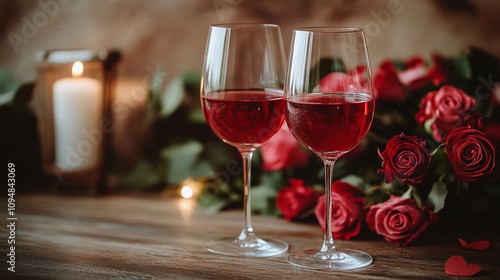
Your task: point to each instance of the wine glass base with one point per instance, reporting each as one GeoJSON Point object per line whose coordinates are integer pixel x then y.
{"type": "Point", "coordinates": [342, 260]}
{"type": "Point", "coordinates": [255, 248]}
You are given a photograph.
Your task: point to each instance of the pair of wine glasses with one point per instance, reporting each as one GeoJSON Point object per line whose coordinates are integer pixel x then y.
{"type": "Point", "coordinates": [326, 98]}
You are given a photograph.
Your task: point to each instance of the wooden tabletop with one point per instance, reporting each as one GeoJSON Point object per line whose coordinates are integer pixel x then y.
{"type": "Point", "coordinates": [127, 237]}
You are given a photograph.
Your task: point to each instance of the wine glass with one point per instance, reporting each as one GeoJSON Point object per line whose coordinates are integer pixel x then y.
{"type": "Point", "coordinates": [242, 101]}
{"type": "Point", "coordinates": [330, 104]}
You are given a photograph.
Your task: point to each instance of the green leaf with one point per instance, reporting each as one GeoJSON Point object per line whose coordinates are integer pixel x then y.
{"type": "Point", "coordinates": [196, 115]}
{"type": "Point", "coordinates": [412, 193]}
{"type": "Point", "coordinates": [155, 88]}
{"type": "Point", "coordinates": [192, 81]}
{"type": "Point", "coordinates": [376, 194]}
{"type": "Point", "coordinates": [407, 194]}
{"type": "Point", "coordinates": [437, 196]}
{"type": "Point", "coordinates": [7, 84]}
{"type": "Point", "coordinates": [428, 123]}
{"type": "Point", "coordinates": [145, 174]}
{"type": "Point", "coordinates": [440, 163]}
{"type": "Point", "coordinates": [212, 204]}
{"type": "Point", "coordinates": [202, 168]}
{"type": "Point", "coordinates": [273, 179]}
{"type": "Point", "coordinates": [17, 97]}
{"type": "Point", "coordinates": [7, 97]}
{"type": "Point", "coordinates": [217, 196]}
{"type": "Point", "coordinates": [220, 154]}
{"type": "Point", "coordinates": [399, 65]}
{"type": "Point", "coordinates": [176, 151]}
{"type": "Point", "coordinates": [329, 65]}
{"type": "Point", "coordinates": [356, 181]}
{"type": "Point", "coordinates": [324, 67]}
{"type": "Point", "coordinates": [192, 86]}
{"type": "Point", "coordinates": [180, 158]}
{"type": "Point", "coordinates": [341, 168]}
{"type": "Point", "coordinates": [459, 67]}
{"type": "Point", "coordinates": [263, 200]}
{"type": "Point", "coordinates": [184, 86]}
{"type": "Point", "coordinates": [172, 97]}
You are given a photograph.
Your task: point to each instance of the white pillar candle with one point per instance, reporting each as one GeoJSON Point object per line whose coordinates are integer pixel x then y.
{"type": "Point", "coordinates": [78, 109]}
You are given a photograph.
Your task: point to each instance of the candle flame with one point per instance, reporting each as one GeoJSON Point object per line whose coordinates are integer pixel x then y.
{"type": "Point", "coordinates": [77, 69]}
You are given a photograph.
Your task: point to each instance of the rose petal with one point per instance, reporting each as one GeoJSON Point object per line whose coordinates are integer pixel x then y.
{"type": "Point", "coordinates": [399, 220]}
{"type": "Point", "coordinates": [283, 151]}
{"type": "Point", "coordinates": [457, 266]}
{"type": "Point", "coordinates": [477, 245]}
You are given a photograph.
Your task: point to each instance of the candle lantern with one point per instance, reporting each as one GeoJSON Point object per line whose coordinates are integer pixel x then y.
{"type": "Point", "coordinates": [73, 103]}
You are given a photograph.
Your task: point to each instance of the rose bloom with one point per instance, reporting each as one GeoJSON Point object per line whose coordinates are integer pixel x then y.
{"type": "Point", "coordinates": [399, 220]}
{"type": "Point", "coordinates": [488, 126]}
{"type": "Point", "coordinates": [344, 82]}
{"type": "Point", "coordinates": [437, 73]}
{"type": "Point", "coordinates": [296, 199]}
{"type": "Point", "coordinates": [405, 158]}
{"type": "Point", "coordinates": [495, 95]}
{"type": "Point", "coordinates": [416, 75]}
{"type": "Point", "coordinates": [473, 155]}
{"type": "Point", "coordinates": [347, 210]}
{"type": "Point", "coordinates": [283, 151]}
{"type": "Point", "coordinates": [447, 109]}
{"type": "Point", "coordinates": [387, 84]}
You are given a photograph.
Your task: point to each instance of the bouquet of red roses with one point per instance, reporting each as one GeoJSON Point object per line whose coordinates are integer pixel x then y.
{"type": "Point", "coordinates": [432, 154]}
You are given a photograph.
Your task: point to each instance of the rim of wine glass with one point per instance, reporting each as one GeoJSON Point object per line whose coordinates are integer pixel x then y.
{"type": "Point", "coordinates": [330, 29]}
{"type": "Point", "coordinates": [245, 25]}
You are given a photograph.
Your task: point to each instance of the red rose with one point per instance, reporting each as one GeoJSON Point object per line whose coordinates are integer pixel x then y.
{"type": "Point", "coordinates": [399, 220]}
{"type": "Point", "coordinates": [347, 210]}
{"type": "Point", "coordinates": [342, 82]}
{"type": "Point", "coordinates": [473, 155]}
{"type": "Point", "coordinates": [406, 159]}
{"type": "Point", "coordinates": [283, 151]}
{"type": "Point", "coordinates": [296, 199]}
{"type": "Point", "coordinates": [495, 97]}
{"type": "Point", "coordinates": [387, 84]}
{"type": "Point", "coordinates": [488, 126]}
{"type": "Point", "coordinates": [447, 109]}
{"type": "Point", "coordinates": [416, 75]}
{"type": "Point", "coordinates": [437, 72]}
{"type": "Point", "coordinates": [414, 62]}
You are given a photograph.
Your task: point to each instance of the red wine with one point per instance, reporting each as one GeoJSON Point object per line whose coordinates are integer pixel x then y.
{"type": "Point", "coordinates": [330, 123]}
{"type": "Point", "coordinates": [244, 118]}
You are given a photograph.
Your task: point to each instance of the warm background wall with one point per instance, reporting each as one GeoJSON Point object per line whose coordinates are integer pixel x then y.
{"type": "Point", "coordinates": [171, 35]}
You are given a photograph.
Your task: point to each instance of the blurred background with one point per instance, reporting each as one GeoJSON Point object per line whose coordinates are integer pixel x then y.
{"type": "Point", "coordinates": [163, 43]}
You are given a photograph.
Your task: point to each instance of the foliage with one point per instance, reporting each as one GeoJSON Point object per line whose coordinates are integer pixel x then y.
{"type": "Point", "coordinates": [184, 140]}
{"type": "Point", "coordinates": [19, 142]}
{"type": "Point", "coordinates": [180, 143]}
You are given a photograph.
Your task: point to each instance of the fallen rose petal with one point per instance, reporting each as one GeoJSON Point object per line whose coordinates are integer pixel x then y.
{"type": "Point", "coordinates": [477, 245]}
{"type": "Point", "coordinates": [457, 266]}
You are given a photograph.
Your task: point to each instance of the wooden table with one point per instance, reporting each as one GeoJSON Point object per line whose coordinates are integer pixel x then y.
{"type": "Point", "coordinates": [126, 237]}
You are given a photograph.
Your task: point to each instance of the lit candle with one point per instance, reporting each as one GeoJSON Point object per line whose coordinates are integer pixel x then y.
{"type": "Point", "coordinates": [78, 106]}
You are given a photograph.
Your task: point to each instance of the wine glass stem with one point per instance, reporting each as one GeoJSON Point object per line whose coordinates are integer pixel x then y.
{"type": "Point", "coordinates": [328, 243]}
{"type": "Point", "coordinates": [247, 232]}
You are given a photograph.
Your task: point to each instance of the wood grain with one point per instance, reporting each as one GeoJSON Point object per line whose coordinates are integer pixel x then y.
{"type": "Point", "coordinates": [125, 237]}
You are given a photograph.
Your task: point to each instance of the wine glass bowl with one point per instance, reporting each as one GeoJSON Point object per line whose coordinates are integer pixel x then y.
{"type": "Point", "coordinates": [329, 110]}
{"type": "Point", "coordinates": [242, 101]}
{"type": "Point", "coordinates": [328, 132]}
{"type": "Point", "coordinates": [244, 119]}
